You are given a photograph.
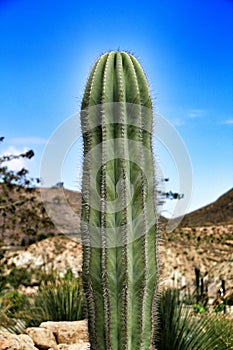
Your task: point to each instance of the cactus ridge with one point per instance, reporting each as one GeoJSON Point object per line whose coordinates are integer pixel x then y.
{"type": "Point", "coordinates": [119, 232]}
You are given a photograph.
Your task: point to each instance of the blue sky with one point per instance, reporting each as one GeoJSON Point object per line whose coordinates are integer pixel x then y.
{"type": "Point", "coordinates": [47, 49]}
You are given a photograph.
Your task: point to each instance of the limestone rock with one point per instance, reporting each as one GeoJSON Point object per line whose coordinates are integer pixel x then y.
{"type": "Point", "coordinates": [9, 341]}
{"type": "Point", "coordinates": [58, 253]}
{"type": "Point", "coordinates": [68, 332]}
{"type": "Point", "coordinates": [81, 346]}
{"type": "Point", "coordinates": [42, 338]}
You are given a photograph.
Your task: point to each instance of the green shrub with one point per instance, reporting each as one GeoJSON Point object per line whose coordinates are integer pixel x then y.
{"type": "Point", "coordinates": [14, 302]}
{"type": "Point", "coordinates": [41, 236]}
{"type": "Point", "coordinates": [221, 307]}
{"type": "Point", "coordinates": [19, 276]}
{"type": "Point", "coordinates": [60, 299]}
{"type": "Point", "coordinates": [199, 309]}
{"type": "Point", "coordinates": [11, 305]}
{"type": "Point", "coordinates": [3, 285]}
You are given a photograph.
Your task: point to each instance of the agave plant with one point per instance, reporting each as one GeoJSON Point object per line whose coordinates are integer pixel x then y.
{"type": "Point", "coordinates": [58, 300]}
{"type": "Point", "coordinates": [223, 327]}
{"type": "Point", "coordinates": [178, 331]}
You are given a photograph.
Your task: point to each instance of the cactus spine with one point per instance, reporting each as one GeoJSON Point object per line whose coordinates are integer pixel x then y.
{"type": "Point", "coordinates": [118, 225]}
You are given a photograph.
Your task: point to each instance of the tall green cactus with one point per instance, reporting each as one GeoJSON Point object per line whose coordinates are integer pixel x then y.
{"type": "Point", "coordinates": [119, 230]}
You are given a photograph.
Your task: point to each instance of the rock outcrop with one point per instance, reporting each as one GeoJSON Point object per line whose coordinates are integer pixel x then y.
{"type": "Point", "coordinates": [43, 338]}
{"type": "Point", "coordinates": [49, 336]}
{"type": "Point", "coordinates": [55, 253]}
{"type": "Point", "coordinates": [67, 332]}
{"type": "Point", "coordinates": [206, 248]}
{"type": "Point", "coordinates": [9, 341]}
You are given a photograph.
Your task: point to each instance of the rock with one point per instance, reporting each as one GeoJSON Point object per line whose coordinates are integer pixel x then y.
{"type": "Point", "coordinates": [58, 253]}
{"type": "Point", "coordinates": [9, 341]}
{"type": "Point", "coordinates": [49, 336]}
{"type": "Point", "coordinates": [81, 346]}
{"type": "Point", "coordinates": [42, 338]}
{"type": "Point", "coordinates": [68, 332]}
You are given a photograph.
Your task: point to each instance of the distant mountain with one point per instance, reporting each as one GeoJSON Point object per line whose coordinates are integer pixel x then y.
{"type": "Point", "coordinates": [68, 203]}
{"type": "Point", "coordinates": [219, 212]}
{"type": "Point", "coordinates": [63, 214]}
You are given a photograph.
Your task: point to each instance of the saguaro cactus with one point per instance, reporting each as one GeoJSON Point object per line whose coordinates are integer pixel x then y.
{"type": "Point", "coordinates": [118, 226]}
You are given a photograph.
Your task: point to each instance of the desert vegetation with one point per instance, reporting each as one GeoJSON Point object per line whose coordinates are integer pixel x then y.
{"type": "Point", "coordinates": [115, 299]}
{"type": "Point", "coordinates": [61, 299]}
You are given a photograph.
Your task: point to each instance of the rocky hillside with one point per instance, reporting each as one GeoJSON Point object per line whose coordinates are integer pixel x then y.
{"type": "Point", "coordinates": [203, 240]}
{"type": "Point", "coordinates": [39, 215]}
{"type": "Point", "coordinates": [194, 244]}
{"type": "Point", "coordinates": [179, 257]}
{"type": "Point", "coordinates": [208, 248]}
{"type": "Point", "coordinates": [59, 200]}
{"type": "Point", "coordinates": [219, 212]}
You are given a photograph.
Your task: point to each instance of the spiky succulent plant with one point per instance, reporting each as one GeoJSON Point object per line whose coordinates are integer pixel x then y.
{"type": "Point", "coordinates": [119, 229]}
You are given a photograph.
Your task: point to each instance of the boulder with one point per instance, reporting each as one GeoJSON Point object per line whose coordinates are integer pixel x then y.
{"type": "Point", "coordinates": [42, 338]}
{"type": "Point", "coordinates": [9, 341]}
{"type": "Point", "coordinates": [81, 346]}
{"type": "Point", "coordinates": [68, 332]}
{"type": "Point", "coordinates": [61, 335]}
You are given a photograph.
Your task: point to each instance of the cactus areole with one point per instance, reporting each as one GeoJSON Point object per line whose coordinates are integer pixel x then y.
{"type": "Point", "coordinates": [118, 225]}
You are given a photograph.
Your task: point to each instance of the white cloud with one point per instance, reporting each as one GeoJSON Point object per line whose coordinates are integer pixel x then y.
{"type": "Point", "coordinates": [196, 113]}
{"type": "Point", "coordinates": [228, 122]}
{"type": "Point", "coordinates": [16, 164]}
{"type": "Point", "coordinates": [33, 140]}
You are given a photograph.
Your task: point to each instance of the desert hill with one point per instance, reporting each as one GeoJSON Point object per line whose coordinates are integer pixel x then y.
{"type": "Point", "coordinates": [219, 212]}
{"type": "Point", "coordinates": [195, 243]}
{"type": "Point", "coordinates": [203, 240]}
{"type": "Point", "coordinates": [63, 211]}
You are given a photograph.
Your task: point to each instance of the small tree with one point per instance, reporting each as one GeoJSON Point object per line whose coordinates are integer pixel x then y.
{"type": "Point", "coordinates": [22, 214]}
